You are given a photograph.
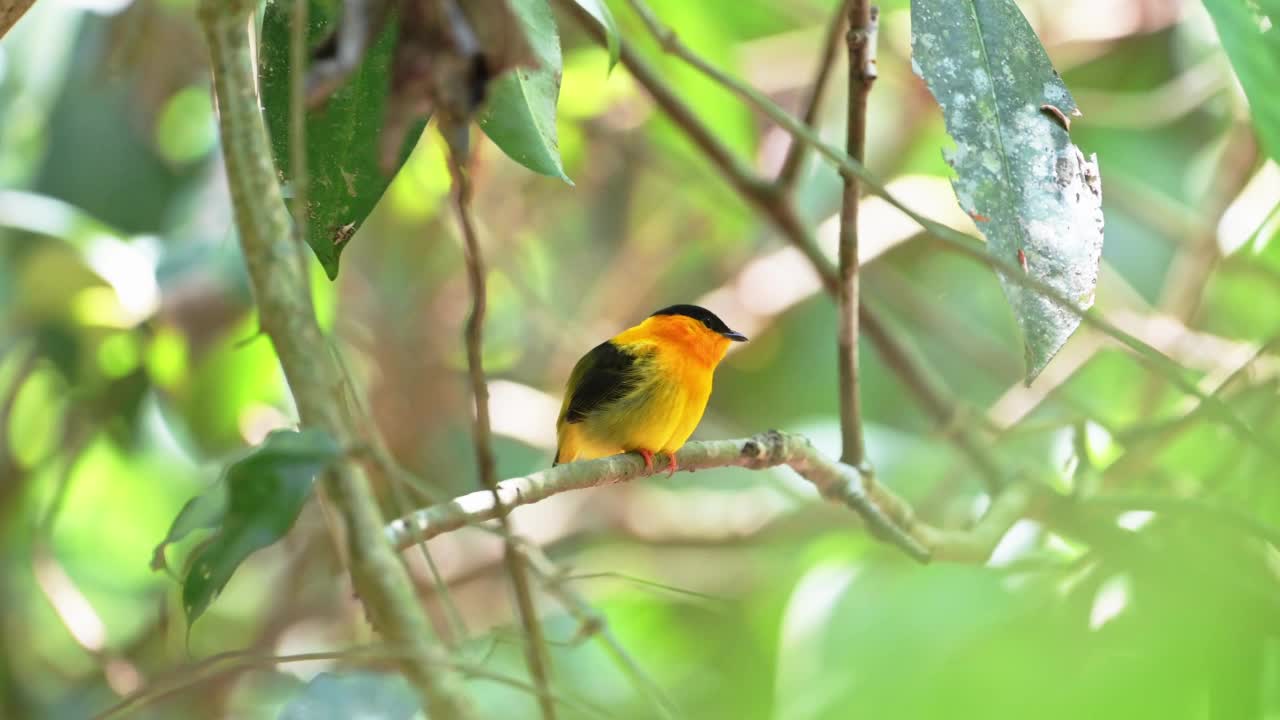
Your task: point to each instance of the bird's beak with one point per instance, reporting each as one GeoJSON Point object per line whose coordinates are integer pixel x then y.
{"type": "Point", "coordinates": [735, 336]}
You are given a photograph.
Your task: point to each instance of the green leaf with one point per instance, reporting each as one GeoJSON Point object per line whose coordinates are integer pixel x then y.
{"type": "Point", "coordinates": [343, 145]}
{"type": "Point", "coordinates": [202, 512]}
{"type": "Point", "coordinates": [330, 696]}
{"type": "Point", "coordinates": [520, 114]}
{"type": "Point", "coordinates": [265, 490]}
{"type": "Point", "coordinates": [1031, 191]}
{"type": "Point", "coordinates": [1250, 33]}
{"type": "Point", "coordinates": [599, 10]}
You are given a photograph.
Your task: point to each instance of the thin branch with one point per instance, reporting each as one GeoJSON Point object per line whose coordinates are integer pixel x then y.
{"type": "Point", "coordinates": [950, 415]}
{"type": "Point", "coordinates": [887, 516]}
{"type": "Point", "coordinates": [864, 20]}
{"type": "Point", "coordinates": [796, 151]}
{"type": "Point", "coordinates": [281, 287]}
{"type": "Point", "coordinates": [535, 646]}
{"type": "Point", "coordinates": [11, 11]}
{"type": "Point", "coordinates": [953, 239]}
{"type": "Point", "coordinates": [592, 623]}
{"type": "Point", "coordinates": [1219, 514]}
{"type": "Point", "coordinates": [1141, 450]}
{"type": "Point", "coordinates": [739, 175]}
{"type": "Point", "coordinates": [223, 663]}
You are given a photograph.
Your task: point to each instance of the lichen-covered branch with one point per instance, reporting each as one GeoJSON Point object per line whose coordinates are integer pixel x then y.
{"type": "Point", "coordinates": [887, 516]}
{"type": "Point", "coordinates": [280, 284]}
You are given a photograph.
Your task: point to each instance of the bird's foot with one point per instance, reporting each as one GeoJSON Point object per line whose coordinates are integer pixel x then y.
{"type": "Point", "coordinates": [671, 464]}
{"type": "Point", "coordinates": [648, 459]}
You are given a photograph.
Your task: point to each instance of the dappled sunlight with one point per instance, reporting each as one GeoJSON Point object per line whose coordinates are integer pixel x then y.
{"type": "Point", "coordinates": [1111, 600]}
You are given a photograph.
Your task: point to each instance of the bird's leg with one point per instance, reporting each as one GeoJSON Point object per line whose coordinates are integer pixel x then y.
{"type": "Point", "coordinates": [648, 459]}
{"type": "Point", "coordinates": [671, 464]}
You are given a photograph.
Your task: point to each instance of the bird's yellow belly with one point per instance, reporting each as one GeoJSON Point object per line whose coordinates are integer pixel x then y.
{"type": "Point", "coordinates": [661, 417]}
{"type": "Point", "coordinates": [647, 422]}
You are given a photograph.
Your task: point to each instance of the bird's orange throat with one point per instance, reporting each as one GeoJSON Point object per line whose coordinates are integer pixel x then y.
{"type": "Point", "coordinates": [693, 339]}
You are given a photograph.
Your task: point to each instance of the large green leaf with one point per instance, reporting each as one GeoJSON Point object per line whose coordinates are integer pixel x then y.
{"type": "Point", "coordinates": [343, 136]}
{"type": "Point", "coordinates": [1030, 190]}
{"type": "Point", "coordinates": [263, 491]}
{"type": "Point", "coordinates": [520, 114]}
{"type": "Point", "coordinates": [1250, 33]}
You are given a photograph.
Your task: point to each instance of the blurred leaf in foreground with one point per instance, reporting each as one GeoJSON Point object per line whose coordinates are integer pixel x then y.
{"type": "Point", "coordinates": [1250, 33]}
{"type": "Point", "coordinates": [262, 495]}
{"type": "Point", "coordinates": [1029, 189]}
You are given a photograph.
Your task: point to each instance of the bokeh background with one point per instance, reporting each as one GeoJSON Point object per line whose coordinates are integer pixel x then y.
{"type": "Point", "coordinates": [131, 371]}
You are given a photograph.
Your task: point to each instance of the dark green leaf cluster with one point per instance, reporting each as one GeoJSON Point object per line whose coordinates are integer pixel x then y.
{"type": "Point", "coordinates": [252, 506]}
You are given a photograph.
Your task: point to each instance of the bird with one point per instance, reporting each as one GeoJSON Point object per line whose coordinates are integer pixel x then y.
{"type": "Point", "coordinates": [643, 390]}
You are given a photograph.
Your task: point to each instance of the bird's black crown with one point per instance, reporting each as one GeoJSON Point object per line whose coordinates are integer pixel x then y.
{"type": "Point", "coordinates": [704, 316]}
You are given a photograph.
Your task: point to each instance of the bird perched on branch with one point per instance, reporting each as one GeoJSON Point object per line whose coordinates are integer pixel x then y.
{"type": "Point", "coordinates": [645, 389]}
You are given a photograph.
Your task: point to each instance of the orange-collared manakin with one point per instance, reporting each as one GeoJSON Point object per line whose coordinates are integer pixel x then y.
{"type": "Point", "coordinates": [645, 389]}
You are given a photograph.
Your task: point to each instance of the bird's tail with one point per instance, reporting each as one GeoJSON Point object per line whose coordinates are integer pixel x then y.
{"type": "Point", "coordinates": [566, 446]}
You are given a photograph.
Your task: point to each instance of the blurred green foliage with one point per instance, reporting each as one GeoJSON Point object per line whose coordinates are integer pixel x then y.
{"type": "Point", "coordinates": [132, 372]}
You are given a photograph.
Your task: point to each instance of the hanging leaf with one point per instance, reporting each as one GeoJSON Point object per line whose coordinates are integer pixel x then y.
{"type": "Point", "coordinates": [1250, 33]}
{"type": "Point", "coordinates": [343, 136]}
{"type": "Point", "coordinates": [1031, 191]}
{"type": "Point", "coordinates": [599, 10]}
{"type": "Point", "coordinates": [202, 512]}
{"type": "Point", "coordinates": [264, 491]}
{"type": "Point", "coordinates": [330, 696]}
{"type": "Point", "coordinates": [520, 115]}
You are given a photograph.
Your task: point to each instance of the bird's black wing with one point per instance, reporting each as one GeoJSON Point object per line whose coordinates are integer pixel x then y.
{"type": "Point", "coordinates": [602, 376]}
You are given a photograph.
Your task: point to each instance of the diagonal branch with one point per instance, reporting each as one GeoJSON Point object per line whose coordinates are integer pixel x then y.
{"type": "Point", "coordinates": [796, 151]}
{"type": "Point", "coordinates": [11, 11]}
{"type": "Point", "coordinates": [535, 646]}
{"type": "Point", "coordinates": [281, 288]}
